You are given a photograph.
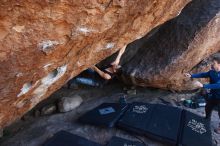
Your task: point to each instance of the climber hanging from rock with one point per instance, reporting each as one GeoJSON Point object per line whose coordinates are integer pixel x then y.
{"type": "Point", "coordinates": [109, 71]}
{"type": "Point", "coordinates": [92, 75]}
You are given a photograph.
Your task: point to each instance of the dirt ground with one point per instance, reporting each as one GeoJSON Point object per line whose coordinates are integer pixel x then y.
{"type": "Point", "coordinates": [35, 130]}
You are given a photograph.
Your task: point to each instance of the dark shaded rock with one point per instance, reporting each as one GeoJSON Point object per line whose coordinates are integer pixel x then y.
{"type": "Point", "coordinates": [174, 48]}
{"type": "Point", "coordinates": [36, 113]}
{"type": "Point", "coordinates": [27, 116]}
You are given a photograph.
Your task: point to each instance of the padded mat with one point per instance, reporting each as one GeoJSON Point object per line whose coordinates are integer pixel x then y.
{"type": "Point", "coordinates": [159, 122]}
{"type": "Point", "coordinates": [195, 131]}
{"type": "Point", "coordinates": [106, 115]}
{"type": "Point", "coordinates": [117, 141]}
{"type": "Point", "coordinates": [63, 138]}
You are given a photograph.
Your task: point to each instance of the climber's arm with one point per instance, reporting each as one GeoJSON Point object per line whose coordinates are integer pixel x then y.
{"type": "Point", "coordinates": [101, 73]}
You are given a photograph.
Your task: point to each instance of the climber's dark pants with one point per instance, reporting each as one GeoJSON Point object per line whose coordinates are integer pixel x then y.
{"type": "Point", "coordinates": [210, 104]}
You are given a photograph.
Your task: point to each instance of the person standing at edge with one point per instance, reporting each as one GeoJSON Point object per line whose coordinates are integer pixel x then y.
{"type": "Point", "coordinates": [214, 86]}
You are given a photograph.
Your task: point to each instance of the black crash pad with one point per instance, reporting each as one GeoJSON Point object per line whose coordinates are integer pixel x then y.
{"type": "Point", "coordinates": [117, 141]}
{"type": "Point", "coordinates": [165, 123]}
{"type": "Point", "coordinates": [63, 138]}
{"type": "Point", "coordinates": [157, 121]}
{"type": "Point", "coordinates": [195, 131]}
{"type": "Point", "coordinates": [105, 115]}
{"type": "Point", "coordinates": [136, 117]}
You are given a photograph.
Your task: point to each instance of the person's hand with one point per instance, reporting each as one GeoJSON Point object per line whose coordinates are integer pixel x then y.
{"type": "Point", "coordinates": [187, 75]}
{"type": "Point", "coordinates": [106, 76]}
{"type": "Point", "coordinates": [198, 84]}
{"type": "Point", "coordinates": [115, 65]}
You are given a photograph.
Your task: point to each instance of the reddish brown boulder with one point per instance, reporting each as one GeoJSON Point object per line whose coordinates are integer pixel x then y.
{"type": "Point", "coordinates": [160, 58]}
{"type": "Point", "coordinates": [44, 43]}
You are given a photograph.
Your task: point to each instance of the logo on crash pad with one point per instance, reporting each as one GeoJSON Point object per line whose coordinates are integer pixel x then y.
{"type": "Point", "coordinates": [197, 126]}
{"type": "Point", "coordinates": [106, 110]}
{"type": "Point", "coordinates": [140, 109]}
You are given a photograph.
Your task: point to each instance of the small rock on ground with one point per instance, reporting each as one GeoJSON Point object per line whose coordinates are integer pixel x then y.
{"type": "Point", "coordinates": [49, 109]}
{"type": "Point", "coordinates": [67, 104]}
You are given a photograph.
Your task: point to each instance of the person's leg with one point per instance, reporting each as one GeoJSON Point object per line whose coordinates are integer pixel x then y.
{"type": "Point", "coordinates": [217, 130]}
{"type": "Point", "coordinates": [209, 107]}
{"type": "Point", "coordinates": [218, 106]}
{"type": "Point", "coordinates": [118, 58]}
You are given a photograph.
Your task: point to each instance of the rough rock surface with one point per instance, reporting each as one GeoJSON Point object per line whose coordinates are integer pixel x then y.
{"type": "Point", "coordinates": [160, 58]}
{"type": "Point", "coordinates": [45, 43]}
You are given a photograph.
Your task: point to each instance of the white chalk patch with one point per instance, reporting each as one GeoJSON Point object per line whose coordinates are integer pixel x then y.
{"type": "Point", "coordinates": [81, 30]}
{"type": "Point", "coordinates": [46, 82]}
{"type": "Point", "coordinates": [26, 87]}
{"type": "Point", "coordinates": [19, 74]}
{"type": "Point", "coordinates": [47, 65]}
{"type": "Point", "coordinates": [102, 46]}
{"type": "Point", "coordinates": [84, 30]}
{"type": "Point", "coordinates": [54, 75]}
{"type": "Point", "coordinates": [47, 45]}
{"type": "Point", "coordinates": [110, 45]}
{"type": "Point", "coordinates": [18, 28]}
